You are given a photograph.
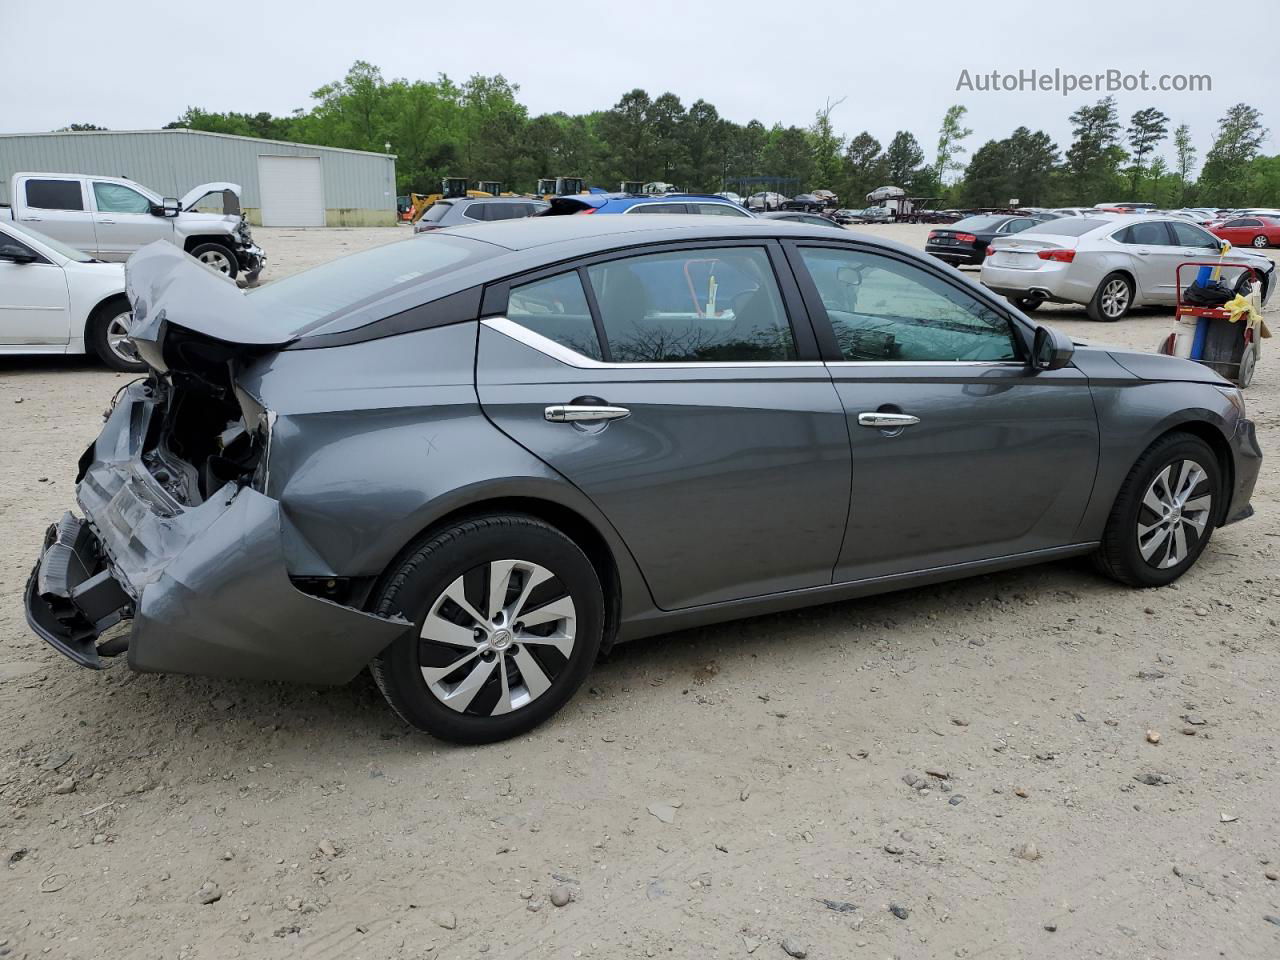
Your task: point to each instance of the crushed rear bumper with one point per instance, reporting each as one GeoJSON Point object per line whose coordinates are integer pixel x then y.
{"type": "Point", "coordinates": [206, 587]}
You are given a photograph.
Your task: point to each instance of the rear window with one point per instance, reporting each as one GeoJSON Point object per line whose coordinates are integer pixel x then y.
{"type": "Point", "coordinates": [55, 194]}
{"type": "Point", "coordinates": [295, 304]}
{"type": "Point", "coordinates": [659, 208]}
{"type": "Point", "coordinates": [1067, 227]}
{"type": "Point", "coordinates": [438, 211]}
{"type": "Point", "coordinates": [980, 223]}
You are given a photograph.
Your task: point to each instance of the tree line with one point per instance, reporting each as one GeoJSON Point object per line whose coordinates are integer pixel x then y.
{"type": "Point", "coordinates": [479, 129]}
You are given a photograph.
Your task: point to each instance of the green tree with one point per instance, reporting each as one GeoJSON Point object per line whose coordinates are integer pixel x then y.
{"type": "Point", "coordinates": [698, 131]}
{"type": "Point", "coordinates": [827, 145]}
{"type": "Point", "coordinates": [628, 135]}
{"type": "Point", "coordinates": [666, 117]}
{"type": "Point", "coordinates": [903, 159]}
{"type": "Point", "coordinates": [864, 168]}
{"type": "Point", "coordinates": [1147, 128]}
{"type": "Point", "coordinates": [1031, 159]}
{"type": "Point", "coordinates": [1240, 135]}
{"type": "Point", "coordinates": [75, 127]}
{"type": "Point", "coordinates": [1095, 155]}
{"type": "Point", "coordinates": [986, 178]}
{"type": "Point", "coordinates": [949, 146]}
{"type": "Point", "coordinates": [1184, 159]}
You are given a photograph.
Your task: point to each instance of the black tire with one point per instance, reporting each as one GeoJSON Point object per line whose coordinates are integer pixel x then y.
{"type": "Point", "coordinates": [418, 583]}
{"type": "Point", "coordinates": [1108, 313]}
{"type": "Point", "coordinates": [217, 256]}
{"type": "Point", "coordinates": [1027, 304]}
{"type": "Point", "coordinates": [102, 331]}
{"type": "Point", "coordinates": [1120, 556]}
{"type": "Point", "coordinates": [1260, 241]}
{"type": "Point", "coordinates": [1248, 364]}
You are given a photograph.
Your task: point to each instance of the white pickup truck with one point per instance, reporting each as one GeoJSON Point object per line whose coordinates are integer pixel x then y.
{"type": "Point", "coordinates": [110, 217]}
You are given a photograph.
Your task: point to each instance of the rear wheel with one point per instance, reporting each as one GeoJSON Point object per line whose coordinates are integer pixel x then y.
{"type": "Point", "coordinates": [1260, 240]}
{"type": "Point", "coordinates": [508, 616]}
{"type": "Point", "coordinates": [1112, 299]}
{"type": "Point", "coordinates": [107, 335]}
{"type": "Point", "coordinates": [217, 256]}
{"type": "Point", "coordinates": [1027, 304]}
{"type": "Point", "coordinates": [1164, 515]}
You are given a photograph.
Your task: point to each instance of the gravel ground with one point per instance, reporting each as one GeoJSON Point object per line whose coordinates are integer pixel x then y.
{"type": "Point", "coordinates": [961, 770]}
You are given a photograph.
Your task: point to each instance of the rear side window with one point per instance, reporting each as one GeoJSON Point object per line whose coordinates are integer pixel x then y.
{"type": "Point", "coordinates": [883, 309]}
{"type": "Point", "coordinates": [708, 305]}
{"type": "Point", "coordinates": [1152, 233]}
{"type": "Point", "coordinates": [55, 194]}
{"type": "Point", "coordinates": [557, 309]}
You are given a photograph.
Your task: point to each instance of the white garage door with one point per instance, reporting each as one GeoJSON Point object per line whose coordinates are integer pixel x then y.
{"type": "Point", "coordinates": [292, 191]}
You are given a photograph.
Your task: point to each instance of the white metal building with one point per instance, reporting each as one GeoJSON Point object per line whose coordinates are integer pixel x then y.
{"type": "Point", "coordinates": [283, 184]}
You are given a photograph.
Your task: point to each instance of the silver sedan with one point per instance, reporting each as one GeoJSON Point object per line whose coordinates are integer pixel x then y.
{"type": "Point", "coordinates": [1110, 262]}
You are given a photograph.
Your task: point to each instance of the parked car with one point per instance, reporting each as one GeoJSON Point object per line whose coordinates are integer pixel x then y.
{"type": "Point", "coordinates": [806, 202]}
{"type": "Point", "coordinates": [460, 211]}
{"type": "Point", "coordinates": [1252, 231]}
{"type": "Point", "coordinates": [965, 241]}
{"type": "Point", "coordinates": [475, 463]}
{"type": "Point", "coordinates": [56, 299]}
{"type": "Point", "coordinates": [731, 197]}
{"type": "Point", "coordinates": [110, 218]}
{"type": "Point", "coordinates": [1075, 211]}
{"type": "Point", "coordinates": [874, 215]}
{"type": "Point", "coordinates": [766, 201]}
{"type": "Point", "coordinates": [688, 203]}
{"type": "Point", "coordinates": [793, 216]}
{"type": "Point", "coordinates": [1111, 263]}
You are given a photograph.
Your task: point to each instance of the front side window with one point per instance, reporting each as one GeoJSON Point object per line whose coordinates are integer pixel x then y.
{"type": "Point", "coordinates": [55, 194]}
{"type": "Point", "coordinates": [720, 210]}
{"type": "Point", "coordinates": [688, 306]}
{"type": "Point", "coordinates": [557, 309]}
{"type": "Point", "coordinates": [115, 198]}
{"type": "Point", "coordinates": [1189, 235]}
{"type": "Point", "coordinates": [659, 208]}
{"type": "Point", "coordinates": [884, 309]}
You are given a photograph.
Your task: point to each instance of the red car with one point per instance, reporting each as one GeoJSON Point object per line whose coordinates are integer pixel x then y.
{"type": "Point", "coordinates": [1249, 231]}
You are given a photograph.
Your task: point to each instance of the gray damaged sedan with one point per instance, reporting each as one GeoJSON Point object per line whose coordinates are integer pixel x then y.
{"type": "Point", "coordinates": [474, 460]}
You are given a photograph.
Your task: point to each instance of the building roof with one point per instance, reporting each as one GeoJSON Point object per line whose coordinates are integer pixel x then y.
{"type": "Point", "coordinates": [188, 130]}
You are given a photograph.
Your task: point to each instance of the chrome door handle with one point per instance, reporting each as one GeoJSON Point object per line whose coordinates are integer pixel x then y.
{"type": "Point", "coordinates": [31, 219]}
{"type": "Point", "coordinates": [106, 221]}
{"type": "Point", "coordinates": [886, 421]}
{"type": "Point", "coordinates": [577, 413]}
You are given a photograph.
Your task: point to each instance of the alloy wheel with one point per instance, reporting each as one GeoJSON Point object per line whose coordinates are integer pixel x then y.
{"type": "Point", "coordinates": [118, 341]}
{"type": "Point", "coordinates": [217, 259]}
{"type": "Point", "coordinates": [1115, 298]}
{"type": "Point", "coordinates": [497, 637]}
{"type": "Point", "coordinates": [1260, 241]}
{"type": "Point", "coordinates": [1174, 514]}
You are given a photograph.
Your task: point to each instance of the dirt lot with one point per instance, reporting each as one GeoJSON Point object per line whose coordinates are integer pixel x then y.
{"type": "Point", "coordinates": [778, 748]}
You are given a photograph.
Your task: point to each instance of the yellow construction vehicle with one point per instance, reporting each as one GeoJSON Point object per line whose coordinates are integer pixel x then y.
{"type": "Point", "coordinates": [451, 188]}
{"type": "Point", "coordinates": [549, 187]}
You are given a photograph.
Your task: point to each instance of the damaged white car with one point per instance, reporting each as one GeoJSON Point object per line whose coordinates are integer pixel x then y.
{"type": "Point", "coordinates": [111, 217]}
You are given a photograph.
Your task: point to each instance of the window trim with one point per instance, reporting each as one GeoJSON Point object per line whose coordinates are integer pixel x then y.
{"type": "Point", "coordinates": [78, 181]}
{"type": "Point", "coordinates": [821, 322]}
{"type": "Point", "coordinates": [808, 350]}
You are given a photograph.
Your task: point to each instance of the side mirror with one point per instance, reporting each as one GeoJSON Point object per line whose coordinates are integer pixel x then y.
{"type": "Point", "coordinates": [12, 253]}
{"type": "Point", "coordinates": [1051, 350]}
{"type": "Point", "coordinates": [168, 207]}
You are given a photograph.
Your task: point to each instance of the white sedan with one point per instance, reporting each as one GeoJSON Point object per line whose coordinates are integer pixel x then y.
{"type": "Point", "coordinates": [56, 300]}
{"type": "Point", "coordinates": [1111, 262]}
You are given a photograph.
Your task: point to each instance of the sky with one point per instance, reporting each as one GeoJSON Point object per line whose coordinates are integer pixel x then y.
{"type": "Point", "coordinates": [138, 64]}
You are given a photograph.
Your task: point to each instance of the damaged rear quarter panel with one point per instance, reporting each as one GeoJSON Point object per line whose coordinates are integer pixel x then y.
{"type": "Point", "coordinates": [375, 441]}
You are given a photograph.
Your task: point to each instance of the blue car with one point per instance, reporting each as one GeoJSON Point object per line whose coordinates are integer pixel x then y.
{"type": "Point", "coordinates": [696, 203]}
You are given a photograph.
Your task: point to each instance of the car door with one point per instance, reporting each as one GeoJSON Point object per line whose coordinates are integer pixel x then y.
{"type": "Point", "coordinates": [123, 220]}
{"type": "Point", "coordinates": [961, 451]}
{"type": "Point", "coordinates": [58, 208]}
{"type": "Point", "coordinates": [682, 392]}
{"type": "Point", "coordinates": [34, 303]}
{"type": "Point", "coordinates": [1196, 245]}
{"type": "Point", "coordinates": [1154, 259]}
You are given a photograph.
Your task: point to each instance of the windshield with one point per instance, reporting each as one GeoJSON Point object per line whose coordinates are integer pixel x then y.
{"type": "Point", "coordinates": [1067, 226]}
{"type": "Point", "coordinates": [295, 304]}
{"type": "Point", "coordinates": [57, 246]}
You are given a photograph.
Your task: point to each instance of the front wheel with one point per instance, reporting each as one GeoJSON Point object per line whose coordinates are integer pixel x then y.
{"type": "Point", "coordinates": [1112, 299]}
{"type": "Point", "coordinates": [217, 256]}
{"type": "Point", "coordinates": [1164, 515]}
{"type": "Point", "coordinates": [508, 615]}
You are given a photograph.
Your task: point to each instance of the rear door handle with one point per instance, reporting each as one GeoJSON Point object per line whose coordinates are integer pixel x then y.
{"type": "Point", "coordinates": [886, 421]}
{"type": "Point", "coordinates": [105, 221]}
{"type": "Point", "coordinates": [578, 413]}
{"type": "Point", "coordinates": [31, 219]}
